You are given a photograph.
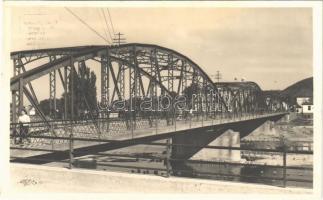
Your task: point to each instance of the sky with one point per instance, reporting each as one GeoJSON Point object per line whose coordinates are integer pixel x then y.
{"type": "Point", "coordinates": [270, 46]}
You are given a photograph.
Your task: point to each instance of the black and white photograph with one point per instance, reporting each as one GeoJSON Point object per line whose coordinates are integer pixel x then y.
{"type": "Point", "coordinates": [163, 97]}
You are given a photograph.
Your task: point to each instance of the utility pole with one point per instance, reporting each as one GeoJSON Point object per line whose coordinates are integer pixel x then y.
{"type": "Point", "coordinates": [118, 40]}
{"type": "Point", "coordinates": [217, 76]}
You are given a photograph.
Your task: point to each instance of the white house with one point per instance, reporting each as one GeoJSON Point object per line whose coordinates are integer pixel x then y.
{"type": "Point", "coordinates": [304, 105]}
{"type": "Point", "coordinates": [298, 108]}
{"type": "Point", "coordinates": [307, 107]}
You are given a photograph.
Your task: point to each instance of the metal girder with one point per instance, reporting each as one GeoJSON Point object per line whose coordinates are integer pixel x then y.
{"type": "Point", "coordinates": [131, 67]}
{"type": "Point", "coordinates": [115, 81]}
{"type": "Point", "coordinates": [137, 55]}
{"type": "Point", "coordinates": [48, 67]}
{"type": "Point", "coordinates": [122, 49]}
{"type": "Point", "coordinates": [67, 72]}
{"type": "Point", "coordinates": [72, 71]}
{"type": "Point", "coordinates": [16, 104]}
{"type": "Point", "coordinates": [132, 81]}
{"type": "Point", "coordinates": [152, 87]}
{"type": "Point", "coordinates": [134, 76]}
{"type": "Point", "coordinates": [121, 81]}
{"type": "Point", "coordinates": [116, 85]}
{"type": "Point", "coordinates": [52, 89]}
{"type": "Point", "coordinates": [180, 83]}
{"type": "Point", "coordinates": [105, 80]}
{"type": "Point", "coordinates": [170, 72]}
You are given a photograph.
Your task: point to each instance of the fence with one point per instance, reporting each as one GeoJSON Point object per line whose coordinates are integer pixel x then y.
{"type": "Point", "coordinates": [70, 149]}
{"type": "Point", "coordinates": [111, 128]}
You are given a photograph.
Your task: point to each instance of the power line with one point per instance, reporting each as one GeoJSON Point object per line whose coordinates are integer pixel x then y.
{"type": "Point", "coordinates": [105, 32]}
{"type": "Point", "coordinates": [111, 21]}
{"type": "Point", "coordinates": [106, 23]}
{"type": "Point", "coordinates": [92, 29]}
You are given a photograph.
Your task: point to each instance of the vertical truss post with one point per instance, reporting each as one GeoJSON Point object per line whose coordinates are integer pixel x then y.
{"type": "Point", "coordinates": [131, 89]}
{"type": "Point", "coordinates": [121, 77]}
{"type": "Point", "coordinates": [185, 76]}
{"type": "Point", "coordinates": [67, 71]}
{"type": "Point", "coordinates": [137, 74]}
{"type": "Point", "coordinates": [240, 104]}
{"type": "Point", "coordinates": [194, 101]}
{"type": "Point", "coordinates": [105, 81]}
{"type": "Point", "coordinates": [153, 86]}
{"type": "Point", "coordinates": [170, 72]}
{"type": "Point", "coordinates": [52, 90]}
{"type": "Point", "coordinates": [199, 99]}
{"type": "Point", "coordinates": [180, 82]}
{"type": "Point", "coordinates": [205, 99]}
{"type": "Point", "coordinates": [21, 94]}
{"type": "Point", "coordinates": [170, 84]}
{"type": "Point", "coordinates": [184, 81]}
{"type": "Point", "coordinates": [65, 93]}
{"type": "Point", "coordinates": [72, 87]}
{"type": "Point", "coordinates": [81, 72]}
{"type": "Point", "coordinates": [136, 86]}
{"type": "Point", "coordinates": [16, 93]}
{"type": "Point", "coordinates": [121, 82]}
{"type": "Point", "coordinates": [13, 107]}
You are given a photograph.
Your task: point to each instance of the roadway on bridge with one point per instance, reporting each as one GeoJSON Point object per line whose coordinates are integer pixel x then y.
{"type": "Point", "coordinates": [123, 139]}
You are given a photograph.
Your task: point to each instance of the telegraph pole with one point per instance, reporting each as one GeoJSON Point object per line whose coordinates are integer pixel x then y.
{"type": "Point", "coordinates": [217, 76]}
{"type": "Point", "coordinates": [118, 39]}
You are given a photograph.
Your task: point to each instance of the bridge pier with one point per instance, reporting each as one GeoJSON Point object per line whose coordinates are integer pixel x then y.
{"type": "Point", "coordinates": [227, 139]}
{"type": "Point", "coordinates": [186, 146]}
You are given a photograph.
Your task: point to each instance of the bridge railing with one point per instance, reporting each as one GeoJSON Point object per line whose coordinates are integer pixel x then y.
{"type": "Point", "coordinates": [123, 127]}
{"type": "Point", "coordinates": [72, 156]}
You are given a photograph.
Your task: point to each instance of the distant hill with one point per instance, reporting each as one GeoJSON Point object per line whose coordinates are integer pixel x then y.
{"type": "Point", "coordinates": [303, 88]}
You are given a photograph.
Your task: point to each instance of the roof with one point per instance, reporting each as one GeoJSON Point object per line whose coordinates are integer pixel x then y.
{"type": "Point", "coordinates": [307, 104]}
{"type": "Point", "coordinates": [304, 97]}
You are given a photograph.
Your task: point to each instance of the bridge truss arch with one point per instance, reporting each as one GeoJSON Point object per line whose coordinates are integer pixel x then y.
{"type": "Point", "coordinates": [127, 72]}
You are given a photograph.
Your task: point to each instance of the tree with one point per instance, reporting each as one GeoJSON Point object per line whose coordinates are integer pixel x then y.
{"type": "Point", "coordinates": [189, 91]}
{"type": "Point", "coordinates": [84, 92]}
{"type": "Point", "coordinates": [45, 108]}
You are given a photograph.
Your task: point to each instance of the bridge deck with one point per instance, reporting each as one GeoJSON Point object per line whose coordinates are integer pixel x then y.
{"type": "Point", "coordinates": [123, 137]}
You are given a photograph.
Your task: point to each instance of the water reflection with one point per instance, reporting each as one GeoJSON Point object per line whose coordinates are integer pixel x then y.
{"type": "Point", "coordinates": [241, 173]}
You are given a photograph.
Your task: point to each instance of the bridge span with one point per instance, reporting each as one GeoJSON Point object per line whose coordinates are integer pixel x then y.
{"type": "Point", "coordinates": [147, 93]}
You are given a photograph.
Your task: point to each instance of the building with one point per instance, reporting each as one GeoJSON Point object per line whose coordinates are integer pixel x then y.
{"type": "Point", "coordinates": [304, 105]}
{"type": "Point", "coordinates": [301, 100]}
{"type": "Point", "coordinates": [298, 108]}
{"type": "Point", "coordinates": [307, 107]}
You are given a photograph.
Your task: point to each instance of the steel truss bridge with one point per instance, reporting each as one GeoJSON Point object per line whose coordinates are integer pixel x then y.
{"type": "Point", "coordinates": [130, 73]}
